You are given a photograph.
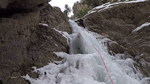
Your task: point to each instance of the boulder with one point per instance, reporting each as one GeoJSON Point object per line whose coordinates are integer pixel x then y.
{"type": "Point", "coordinates": [21, 4]}
{"type": "Point", "coordinates": [9, 7]}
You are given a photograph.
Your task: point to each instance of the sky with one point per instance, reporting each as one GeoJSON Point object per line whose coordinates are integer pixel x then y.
{"type": "Point", "coordinates": [61, 4]}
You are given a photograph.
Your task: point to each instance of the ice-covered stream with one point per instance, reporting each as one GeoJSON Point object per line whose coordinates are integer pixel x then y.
{"type": "Point", "coordinates": [84, 65]}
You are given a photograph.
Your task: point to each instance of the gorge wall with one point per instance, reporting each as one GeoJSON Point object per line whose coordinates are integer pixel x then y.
{"type": "Point", "coordinates": [27, 37]}
{"type": "Point", "coordinates": [117, 22]}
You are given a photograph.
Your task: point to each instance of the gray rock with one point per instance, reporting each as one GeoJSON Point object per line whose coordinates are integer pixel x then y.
{"type": "Point", "coordinates": [25, 43]}
{"type": "Point", "coordinates": [118, 22]}
{"type": "Point", "coordinates": [10, 7]}
{"type": "Point", "coordinates": [21, 4]}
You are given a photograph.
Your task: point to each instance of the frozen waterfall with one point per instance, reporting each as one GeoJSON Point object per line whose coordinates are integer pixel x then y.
{"type": "Point", "coordinates": [84, 65]}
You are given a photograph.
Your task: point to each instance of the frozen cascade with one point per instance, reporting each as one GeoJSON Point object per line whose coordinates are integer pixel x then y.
{"type": "Point", "coordinates": [84, 65]}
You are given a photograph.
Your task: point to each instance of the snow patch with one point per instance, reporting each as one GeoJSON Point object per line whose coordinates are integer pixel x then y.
{"type": "Point", "coordinates": [43, 24]}
{"type": "Point", "coordinates": [56, 45]}
{"type": "Point", "coordinates": [140, 27]}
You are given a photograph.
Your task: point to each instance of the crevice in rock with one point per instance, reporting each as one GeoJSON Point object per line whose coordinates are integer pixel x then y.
{"type": "Point", "coordinates": [28, 81]}
{"type": "Point", "coordinates": [1, 82]}
{"type": "Point", "coordinates": [9, 12]}
{"type": "Point", "coordinates": [14, 10]}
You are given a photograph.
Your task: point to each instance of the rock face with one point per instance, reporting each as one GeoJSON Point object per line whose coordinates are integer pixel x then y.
{"type": "Point", "coordinates": [21, 4]}
{"type": "Point", "coordinates": [82, 7]}
{"type": "Point", "coordinates": [117, 22]}
{"type": "Point", "coordinates": [9, 7]}
{"type": "Point", "coordinates": [27, 38]}
{"type": "Point", "coordinates": [79, 8]}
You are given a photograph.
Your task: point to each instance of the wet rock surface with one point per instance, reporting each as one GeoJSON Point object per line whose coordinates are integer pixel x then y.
{"type": "Point", "coordinates": [117, 23]}
{"type": "Point", "coordinates": [25, 40]}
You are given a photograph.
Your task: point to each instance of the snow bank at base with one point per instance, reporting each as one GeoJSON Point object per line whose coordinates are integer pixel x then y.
{"type": "Point", "coordinates": [86, 66]}
{"type": "Point", "coordinates": [86, 69]}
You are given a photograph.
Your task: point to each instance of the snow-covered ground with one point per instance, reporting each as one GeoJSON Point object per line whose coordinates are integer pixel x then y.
{"type": "Point", "coordinates": [84, 65]}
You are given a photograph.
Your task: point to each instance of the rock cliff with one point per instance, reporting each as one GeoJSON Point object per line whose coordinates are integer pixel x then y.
{"type": "Point", "coordinates": [82, 7]}
{"type": "Point", "coordinates": [28, 37]}
{"type": "Point", "coordinates": [118, 22]}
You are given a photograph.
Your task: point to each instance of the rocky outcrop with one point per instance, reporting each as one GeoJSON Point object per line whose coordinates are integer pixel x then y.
{"type": "Point", "coordinates": [21, 4]}
{"type": "Point", "coordinates": [27, 38]}
{"type": "Point", "coordinates": [81, 8]}
{"type": "Point", "coordinates": [9, 7]}
{"type": "Point", "coordinates": [117, 22]}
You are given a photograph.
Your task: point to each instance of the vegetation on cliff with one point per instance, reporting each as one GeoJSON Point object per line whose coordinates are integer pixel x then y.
{"type": "Point", "coordinates": [81, 8]}
{"type": "Point", "coordinates": [67, 10]}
